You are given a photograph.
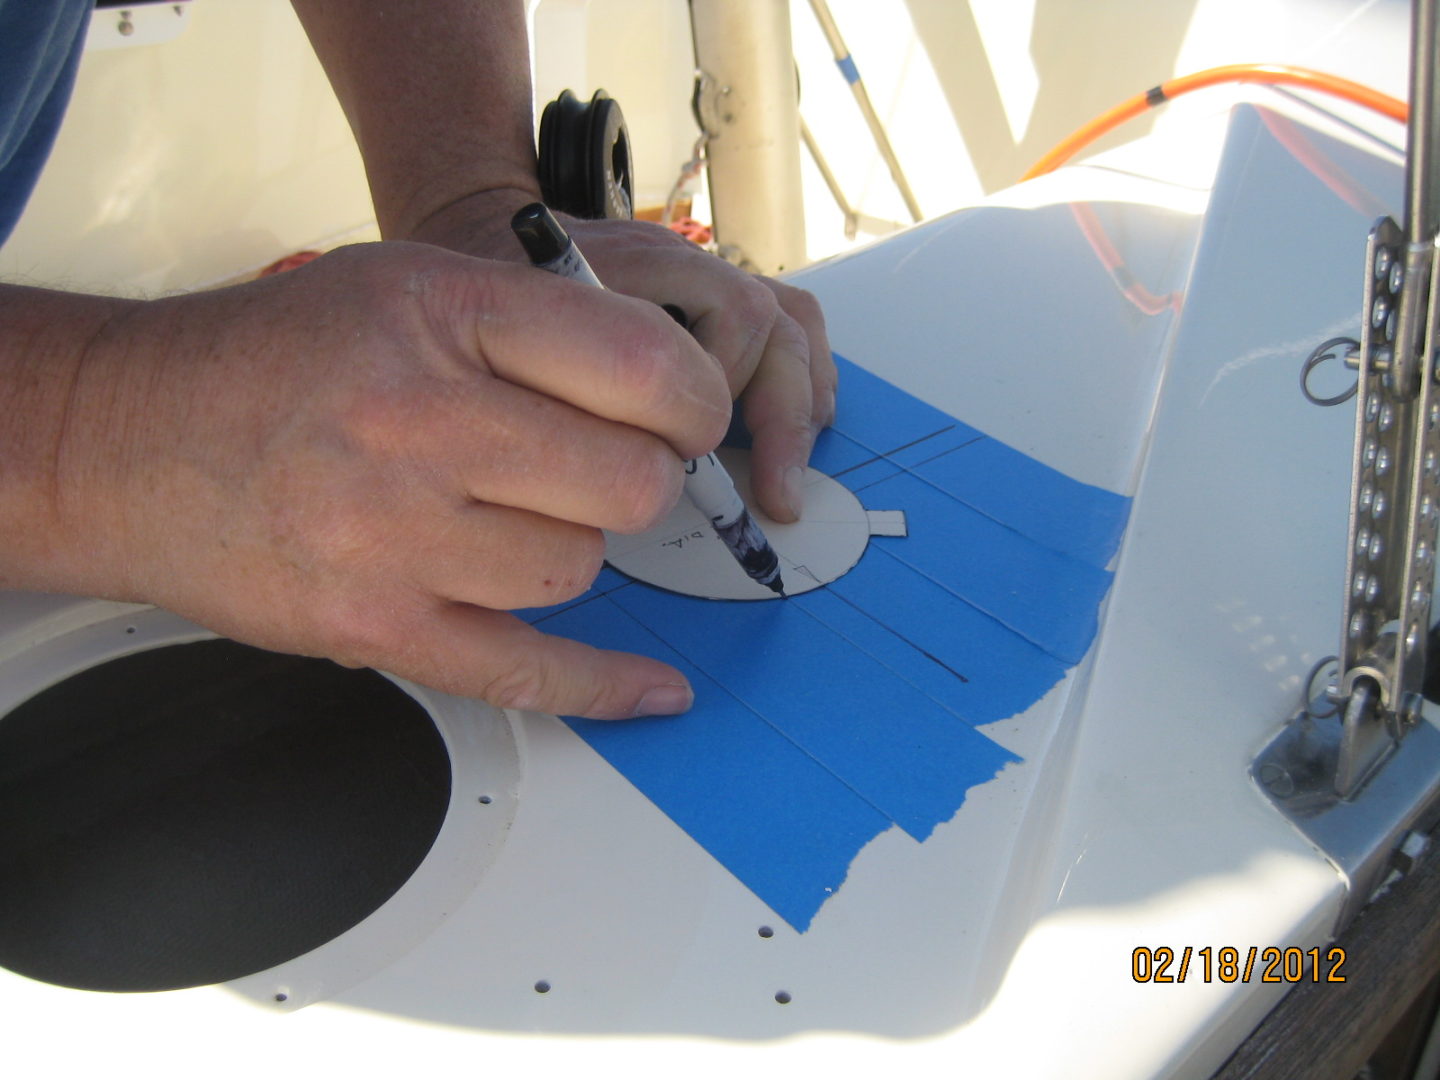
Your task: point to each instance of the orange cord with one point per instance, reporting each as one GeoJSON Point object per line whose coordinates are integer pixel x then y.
{"type": "Point", "coordinates": [1268, 74]}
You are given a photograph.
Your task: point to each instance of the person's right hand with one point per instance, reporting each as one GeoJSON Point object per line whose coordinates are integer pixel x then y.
{"type": "Point", "coordinates": [370, 458]}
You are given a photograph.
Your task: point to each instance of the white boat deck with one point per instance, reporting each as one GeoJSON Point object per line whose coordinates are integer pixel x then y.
{"type": "Point", "coordinates": [1003, 943]}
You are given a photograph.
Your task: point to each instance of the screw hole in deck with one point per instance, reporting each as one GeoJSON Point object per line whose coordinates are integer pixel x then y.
{"type": "Point", "coordinates": [783, 997]}
{"type": "Point", "coordinates": [542, 987]}
{"type": "Point", "coordinates": [766, 932]}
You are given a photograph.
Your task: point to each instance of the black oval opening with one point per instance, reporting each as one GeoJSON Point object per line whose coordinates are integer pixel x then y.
{"type": "Point", "coordinates": [199, 812]}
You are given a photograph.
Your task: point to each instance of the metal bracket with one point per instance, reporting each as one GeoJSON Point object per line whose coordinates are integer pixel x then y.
{"type": "Point", "coordinates": [710, 105]}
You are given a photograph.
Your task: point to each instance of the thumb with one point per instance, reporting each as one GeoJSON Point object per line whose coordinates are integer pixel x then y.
{"type": "Point", "coordinates": [476, 652]}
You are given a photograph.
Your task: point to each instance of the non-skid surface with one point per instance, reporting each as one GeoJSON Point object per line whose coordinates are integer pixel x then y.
{"type": "Point", "coordinates": [822, 720]}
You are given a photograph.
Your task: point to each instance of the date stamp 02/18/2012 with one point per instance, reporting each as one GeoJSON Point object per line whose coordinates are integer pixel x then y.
{"type": "Point", "coordinates": [1268, 964]}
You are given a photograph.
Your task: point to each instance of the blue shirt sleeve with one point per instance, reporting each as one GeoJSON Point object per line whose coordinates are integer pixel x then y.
{"type": "Point", "coordinates": [40, 47]}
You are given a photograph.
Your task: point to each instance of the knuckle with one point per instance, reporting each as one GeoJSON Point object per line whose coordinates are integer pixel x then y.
{"type": "Point", "coordinates": [825, 376]}
{"type": "Point", "coordinates": [575, 568]}
{"type": "Point", "coordinates": [792, 426]}
{"type": "Point", "coordinates": [649, 370]}
{"type": "Point", "coordinates": [710, 434]}
{"type": "Point", "coordinates": [799, 422]}
{"type": "Point", "coordinates": [756, 309]}
{"type": "Point", "coordinates": [521, 684]}
{"type": "Point", "coordinates": [489, 289]}
{"type": "Point", "coordinates": [792, 341]}
{"type": "Point", "coordinates": [827, 386]}
{"type": "Point", "coordinates": [557, 562]}
{"type": "Point", "coordinates": [753, 313]}
{"type": "Point", "coordinates": [600, 700]}
{"type": "Point", "coordinates": [801, 304]}
{"type": "Point", "coordinates": [589, 561]}
{"type": "Point", "coordinates": [666, 376]}
{"type": "Point", "coordinates": [647, 486]}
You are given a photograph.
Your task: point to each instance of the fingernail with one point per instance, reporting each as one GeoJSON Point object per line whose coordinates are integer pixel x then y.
{"type": "Point", "coordinates": [666, 700]}
{"type": "Point", "coordinates": [794, 489]}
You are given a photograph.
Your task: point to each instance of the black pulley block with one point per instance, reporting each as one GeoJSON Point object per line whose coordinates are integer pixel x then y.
{"type": "Point", "coordinates": [585, 157]}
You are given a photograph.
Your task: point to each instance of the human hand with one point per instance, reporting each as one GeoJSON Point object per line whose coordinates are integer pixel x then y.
{"type": "Point", "coordinates": [768, 336]}
{"type": "Point", "coordinates": [370, 457]}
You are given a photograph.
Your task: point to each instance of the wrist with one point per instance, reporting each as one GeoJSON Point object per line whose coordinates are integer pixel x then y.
{"type": "Point", "coordinates": [52, 534]}
{"type": "Point", "coordinates": [478, 223]}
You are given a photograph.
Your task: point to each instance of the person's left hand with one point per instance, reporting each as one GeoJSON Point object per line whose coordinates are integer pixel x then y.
{"type": "Point", "coordinates": [768, 336]}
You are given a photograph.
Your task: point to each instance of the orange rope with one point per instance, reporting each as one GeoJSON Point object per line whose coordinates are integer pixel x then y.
{"type": "Point", "coordinates": [1268, 74]}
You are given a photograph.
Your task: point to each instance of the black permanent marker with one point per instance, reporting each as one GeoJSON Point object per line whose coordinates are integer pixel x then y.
{"type": "Point", "coordinates": [706, 481]}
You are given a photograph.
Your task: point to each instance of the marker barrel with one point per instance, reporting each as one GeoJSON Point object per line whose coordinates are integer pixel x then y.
{"type": "Point", "coordinates": [706, 481]}
{"type": "Point", "coordinates": [713, 492]}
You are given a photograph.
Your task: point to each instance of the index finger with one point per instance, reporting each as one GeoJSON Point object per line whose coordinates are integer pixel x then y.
{"type": "Point", "coordinates": [613, 356]}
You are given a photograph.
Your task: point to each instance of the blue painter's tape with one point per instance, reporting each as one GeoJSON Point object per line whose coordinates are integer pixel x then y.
{"type": "Point", "coordinates": [883, 418]}
{"type": "Point", "coordinates": [822, 692]}
{"type": "Point", "coordinates": [868, 474]}
{"type": "Point", "coordinates": [821, 720]}
{"type": "Point", "coordinates": [847, 68]}
{"type": "Point", "coordinates": [835, 453]}
{"type": "Point", "coordinates": [889, 646]}
{"type": "Point", "coordinates": [1047, 506]}
{"type": "Point", "coordinates": [962, 658]}
{"type": "Point", "coordinates": [951, 439]}
{"type": "Point", "coordinates": [1043, 595]}
{"type": "Point", "coordinates": [779, 821]}
{"type": "Point", "coordinates": [881, 467]}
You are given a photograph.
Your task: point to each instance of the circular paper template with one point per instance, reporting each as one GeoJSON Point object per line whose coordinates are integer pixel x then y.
{"type": "Point", "coordinates": [684, 555]}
